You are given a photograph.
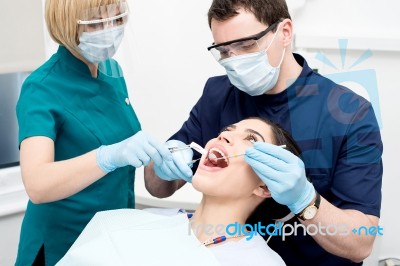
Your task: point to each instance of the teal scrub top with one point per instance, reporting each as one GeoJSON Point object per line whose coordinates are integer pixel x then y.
{"type": "Point", "coordinates": [62, 101]}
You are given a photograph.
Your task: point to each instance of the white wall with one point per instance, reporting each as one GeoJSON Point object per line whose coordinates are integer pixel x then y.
{"type": "Point", "coordinates": [21, 41]}
{"type": "Point", "coordinates": [167, 64]}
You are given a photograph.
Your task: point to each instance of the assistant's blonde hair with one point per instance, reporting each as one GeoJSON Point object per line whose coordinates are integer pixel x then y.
{"type": "Point", "coordinates": [62, 16]}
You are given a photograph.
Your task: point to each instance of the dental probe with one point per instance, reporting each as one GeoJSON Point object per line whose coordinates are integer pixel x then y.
{"type": "Point", "coordinates": [201, 150]}
{"type": "Point", "coordinates": [214, 159]}
{"type": "Point", "coordinates": [237, 155]}
{"type": "Point", "coordinates": [231, 156]}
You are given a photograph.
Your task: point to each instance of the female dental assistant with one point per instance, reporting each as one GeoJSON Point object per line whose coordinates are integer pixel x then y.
{"type": "Point", "coordinates": [80, 139]}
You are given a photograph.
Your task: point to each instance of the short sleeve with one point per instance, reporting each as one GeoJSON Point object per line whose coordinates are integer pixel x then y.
{"type": "Point", "coordinates": [37, 112]}
{"type": "Point", "coordinates": [191, 129]}
{"type": "Point", "coordinates": [358, 173]}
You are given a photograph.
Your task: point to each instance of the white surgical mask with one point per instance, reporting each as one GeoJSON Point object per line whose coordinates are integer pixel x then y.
{"type": "Point", "coordinates": [252, 73]}
{"type": "Point", "coordinates": [97, 46]}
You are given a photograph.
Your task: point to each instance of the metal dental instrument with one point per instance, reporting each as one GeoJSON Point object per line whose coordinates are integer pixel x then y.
{"type": "Point", "coordinates": [237, 155]}
{"type": "Point", "coordinates": [214, 159]}
{"type": "Point", "coordinates": [192, 145]}
{"type": "Point", "coordinates": [198, 148]}
{"type": "Point", "coordinates": [231, 156]}
{"type": "Point", "coordinates": [181, 148]}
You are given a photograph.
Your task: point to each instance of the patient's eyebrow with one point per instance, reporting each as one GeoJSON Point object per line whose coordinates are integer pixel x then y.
{"type": "Point", "coordinates": [249, 130]}
{"type": "Point", "coordinates": [255, 132]}
{"type": "Point", "coordinates": [228, 128]}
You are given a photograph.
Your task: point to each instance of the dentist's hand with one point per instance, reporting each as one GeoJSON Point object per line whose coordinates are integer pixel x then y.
{"type": "Point", "coordinates": [137, 151]}
{"type": "Point", "coordinates": [283, 173]}
{"type": "Point", "coordinates": [178, 167]}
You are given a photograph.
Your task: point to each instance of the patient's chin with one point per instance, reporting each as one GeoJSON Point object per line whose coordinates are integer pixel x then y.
{"type": "Point", "coordinates": [196, 182]}
{"type": "Point", "coordinates": [204, 183]}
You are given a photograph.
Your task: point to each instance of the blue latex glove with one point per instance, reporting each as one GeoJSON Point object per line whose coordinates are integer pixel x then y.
{"type": "Point", "coordinates": [137, 151]}
{"type": "Point", "coordinates": [283, 173]}
{"type": "Point", "coordinates": [179, 167]}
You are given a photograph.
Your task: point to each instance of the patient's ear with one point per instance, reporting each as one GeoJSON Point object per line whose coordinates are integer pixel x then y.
{"type": "Point", "coordinates": [262, 191]}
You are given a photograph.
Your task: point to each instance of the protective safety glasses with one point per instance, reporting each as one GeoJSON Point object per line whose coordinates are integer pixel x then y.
{"type": "Point", "coordinates": [103, 17]}
{"type": "Point", "coordinates": [240, 46]}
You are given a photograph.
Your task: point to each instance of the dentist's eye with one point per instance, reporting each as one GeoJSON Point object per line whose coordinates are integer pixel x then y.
{"type": "Point", "coordinates": [251, 137]}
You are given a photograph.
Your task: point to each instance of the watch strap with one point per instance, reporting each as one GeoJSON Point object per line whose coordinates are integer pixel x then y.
{"type": "Point", "coordinates": [316, 203]}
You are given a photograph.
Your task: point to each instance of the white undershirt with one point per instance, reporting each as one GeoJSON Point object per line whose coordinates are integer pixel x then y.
{"type": "Point", "coordinates": [246, 252]}
{"type": "Point", "coordinates": [241, 253]}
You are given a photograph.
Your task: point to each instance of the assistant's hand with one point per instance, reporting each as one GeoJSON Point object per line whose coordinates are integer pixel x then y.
{"type": "Point", "coordinates": [283, 173]}
{"type": "Point", "coordinates": [137, 151]}
{"type": "Point", "coordinates": [178, 168]}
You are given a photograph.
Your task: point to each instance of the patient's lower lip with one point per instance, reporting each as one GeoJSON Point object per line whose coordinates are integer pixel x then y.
{"type": "Point", "coordinates": [209, 169]}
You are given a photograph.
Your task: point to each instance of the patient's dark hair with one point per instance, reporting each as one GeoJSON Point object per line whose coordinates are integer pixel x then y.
{"type": "Point", "coordinates": [269, 209]}
{"type": "Point", "coordinates": [281, 136]}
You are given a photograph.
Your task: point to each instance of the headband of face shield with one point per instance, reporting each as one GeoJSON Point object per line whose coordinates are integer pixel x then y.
{"type": "Point", "coordinates": [103, 17]}
{"type": "Point", "coordinates": [101, 31]}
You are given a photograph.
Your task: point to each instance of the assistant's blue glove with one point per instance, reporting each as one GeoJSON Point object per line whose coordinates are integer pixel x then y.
{"type": "Point", "coordinates": [178, 168]}
{"type": "Point", "coordinates": [137, 151]}
{"type": "Point", "coordinates": [283, 173]}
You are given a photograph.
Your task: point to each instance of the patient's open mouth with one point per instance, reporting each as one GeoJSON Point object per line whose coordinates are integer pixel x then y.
{"type": "Point", "coordinates": [216, 158]}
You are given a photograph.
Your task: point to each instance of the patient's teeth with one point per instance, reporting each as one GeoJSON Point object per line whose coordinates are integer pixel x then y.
{"type": "Point", "coordinates": [212, 156]}
{"type": "Point", "coordinates": [217, 160]}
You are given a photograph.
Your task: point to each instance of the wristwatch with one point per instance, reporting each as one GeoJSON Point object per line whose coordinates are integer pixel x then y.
{"type": "Point", "coordinates": [311, 210]}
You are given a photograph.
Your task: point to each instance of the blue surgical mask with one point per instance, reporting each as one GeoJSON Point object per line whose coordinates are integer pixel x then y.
{"type": "Point", "coordinates": [252, 73]}
{"type": "Point", "coordinates": [97, 46]}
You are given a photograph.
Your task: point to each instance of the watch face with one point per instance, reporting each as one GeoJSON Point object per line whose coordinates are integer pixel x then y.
{"type": "Point", "coordinates": [310, 212]}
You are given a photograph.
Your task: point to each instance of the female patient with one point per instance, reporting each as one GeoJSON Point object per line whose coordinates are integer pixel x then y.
{"type": "Point", "coordinates": [232, 191]}
{"type": "Point", "coordinates": [231, 194]}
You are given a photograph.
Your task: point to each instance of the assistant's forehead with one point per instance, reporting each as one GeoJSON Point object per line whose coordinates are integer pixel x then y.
{"type": "Point", "coordinates": [257, 125]}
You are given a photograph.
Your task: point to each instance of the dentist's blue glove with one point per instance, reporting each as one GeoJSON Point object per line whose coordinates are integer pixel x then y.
{"type": "Point", "coordinates": [179, 167]}
{"type": "Point", "coordinates": [137, 151]}
{"type": "Point", "coordinates": [283, 173]}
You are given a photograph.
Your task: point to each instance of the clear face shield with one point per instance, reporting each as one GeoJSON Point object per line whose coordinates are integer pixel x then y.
{"type": "Point", "coordinates": [104, 17]}
{"type": "Point", "coordinates": [101, 31]}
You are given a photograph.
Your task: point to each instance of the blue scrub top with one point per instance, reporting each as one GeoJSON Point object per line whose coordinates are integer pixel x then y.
{"type": "Point", "coordinates": [336, 130]}
{"type": "Point", "coordinates": [62, 101]}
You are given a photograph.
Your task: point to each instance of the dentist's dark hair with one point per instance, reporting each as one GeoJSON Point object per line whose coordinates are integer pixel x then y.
{"type": "Point", "coordinates": [266, 11]}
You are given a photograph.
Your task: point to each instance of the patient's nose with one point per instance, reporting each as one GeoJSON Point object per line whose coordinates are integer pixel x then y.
{"type": "Point", "coordinates": [223, 137]}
